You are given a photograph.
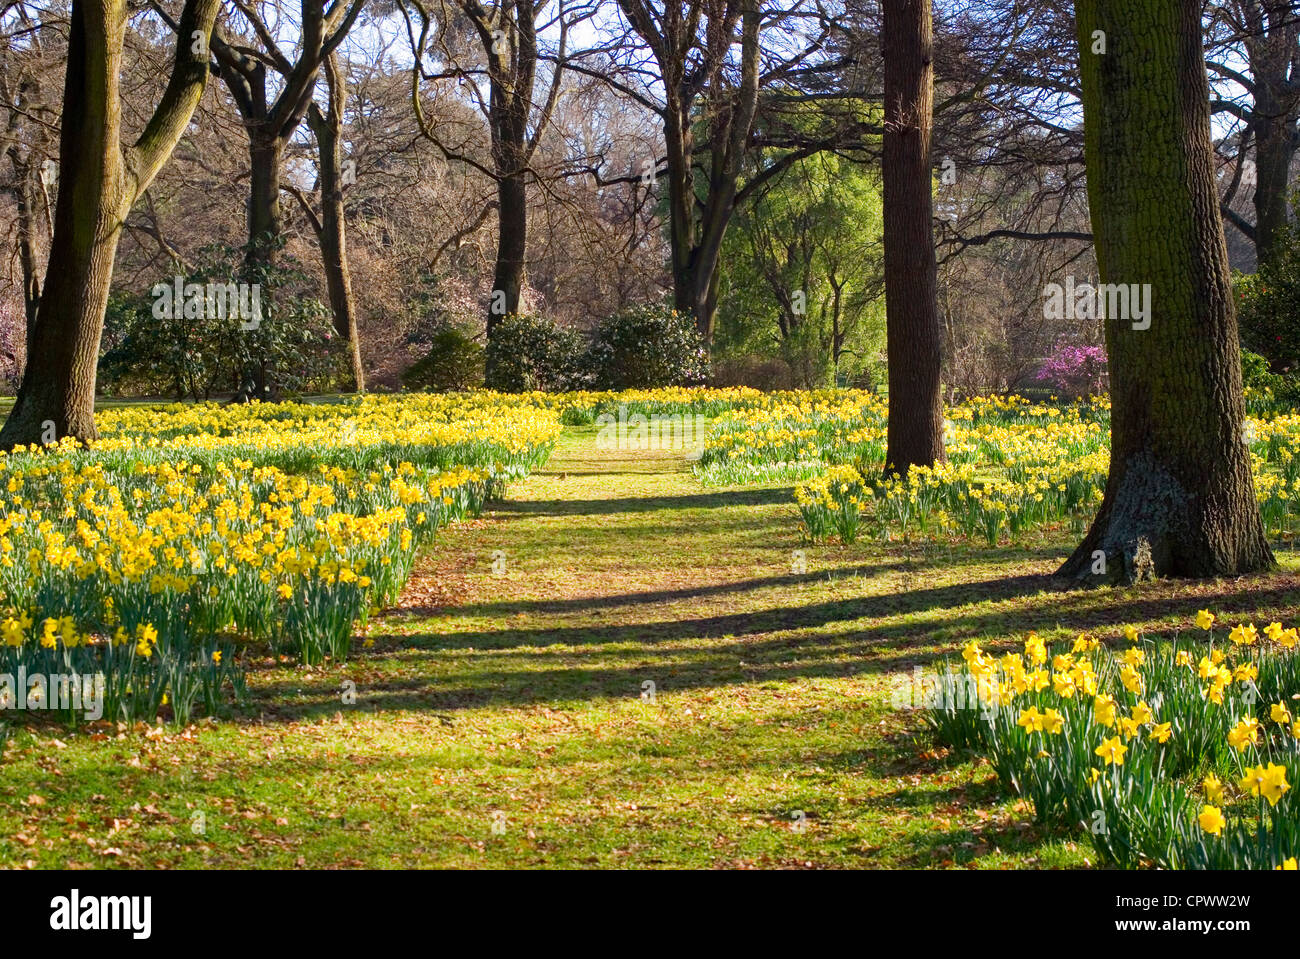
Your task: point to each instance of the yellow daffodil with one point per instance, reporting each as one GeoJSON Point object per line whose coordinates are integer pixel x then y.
{"type": "Point", "coordinates": [1112, 750]}
{"type": "Point", "coordinates": [1213, 788]}
{"type": "Point", "coordinates": [1211, 820]}
{"type": "Point", "coordinates": [1243, 635]}
{"type": "Point", "coordinates": [1243, 734]}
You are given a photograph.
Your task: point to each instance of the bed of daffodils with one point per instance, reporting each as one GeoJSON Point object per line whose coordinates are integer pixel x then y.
{"type": "Point", "coordinates": [154, 559]}
{"type": "Point", "coordinates": [1175, 752]}
{"type": "Point", "coordinates": [1013, 465]}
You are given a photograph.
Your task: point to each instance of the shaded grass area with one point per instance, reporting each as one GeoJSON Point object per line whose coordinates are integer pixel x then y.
{"type": "Point", "coordinates": [503, 718]}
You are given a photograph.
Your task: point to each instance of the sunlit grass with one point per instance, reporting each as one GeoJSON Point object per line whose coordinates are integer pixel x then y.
{"type": "Point", "coordinates": [517, 700]}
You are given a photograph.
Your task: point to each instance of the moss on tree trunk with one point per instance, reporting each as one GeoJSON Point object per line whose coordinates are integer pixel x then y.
{"type": "Point", "coordinates": [1179, 498]}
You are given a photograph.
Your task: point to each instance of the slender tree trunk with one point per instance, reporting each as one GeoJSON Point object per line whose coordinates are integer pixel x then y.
{"type": "Point", "coordinates": [1274, 147]}
{"type": "Point", "coordinates": [512, 69]}
{"type": "Point", "coordinates": [31, 199]}
{"type": "Point", "coordinates": [696, 237]}
{"type": "Point", "coordinates": [265, 155]}
{"type": "Point", "coordinates": [915, 428]}
{"type": "Point", "coordinates": [28, 255]}
{"type": "Point", "coordinates": [1179, 498]}
{"type": "Point", "coordinates": [1270, 51]}
{"type": "Point", "coordinates": [328, 128]}
{"type": "Point", "coordinates": [679, 148]}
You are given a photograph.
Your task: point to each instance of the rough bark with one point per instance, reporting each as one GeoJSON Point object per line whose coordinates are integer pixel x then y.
{"type": "Point", "coordinates": [331, 228]}
{"type": "Point", "coordinates": [1179, 498]}
{"type": "Point", "coordinates": [99, 181]}
{"type": "Point", "coordinates": [512, 244]}
{"type": "Point", "coordinates": [914, 435]}
{"type": "Point", "coordinates": [265, 157]}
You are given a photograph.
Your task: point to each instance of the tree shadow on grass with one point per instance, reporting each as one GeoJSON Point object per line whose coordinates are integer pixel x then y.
{"type": "Point", "coordinates": [580, 604]}
{"type": "Point", "coordinates": [511, 667]}
{"type": "Point", "coordinates": [1055, 602]}
{"type": "Point", "coordinates": [778, 619]}
{"type": "Point", "coordinates": [508, 509]}
{"type": "Point", "coordinates": [507, 677]}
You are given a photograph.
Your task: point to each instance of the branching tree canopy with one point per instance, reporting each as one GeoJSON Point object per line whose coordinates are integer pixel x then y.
{"type": "Point", "coordinates": [516, 79]}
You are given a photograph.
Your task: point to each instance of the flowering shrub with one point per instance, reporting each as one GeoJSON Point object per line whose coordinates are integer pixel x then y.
{"type": "Point", "coordinates": [647, 347]}
{"type": "Point", "coordinates": [1074, 371]}
{"type": "Point", "coordinates": [527, 352]}
{"type": "Point", "coordinates": [1174, 753]}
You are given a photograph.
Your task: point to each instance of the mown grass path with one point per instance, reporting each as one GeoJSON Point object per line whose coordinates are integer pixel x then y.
{"type": "Point", "coordinates": [502, 717]}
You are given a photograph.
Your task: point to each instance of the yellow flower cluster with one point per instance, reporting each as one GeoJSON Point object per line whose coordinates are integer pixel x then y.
{"type": "Point", "coordinates": [1110, 737]}
{"type": "Point", "coordinates": [1013, 465]}
{"type": "Point", "coordinates": [189, 528]}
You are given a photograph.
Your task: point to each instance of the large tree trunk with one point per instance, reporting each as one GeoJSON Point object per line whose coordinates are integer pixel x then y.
{"type": "Point", "coordinates": [98, 183]}
{"type": "Point", "coordinates": [915, 428]}
{"type": "Point", "coordinates": [265, 157]}
{"type": "Point", "coordinates": [1179, 499]}
{"type": "Point", "coordinates": [512, 244]}
{"type": "Point", "coordinates": [57, 396]}
{"type": "Point", "coordinates": [328, 128]}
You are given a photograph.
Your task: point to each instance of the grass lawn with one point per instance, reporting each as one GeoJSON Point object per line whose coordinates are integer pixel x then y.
{"type": "Point", "coordinates": [500, 719]}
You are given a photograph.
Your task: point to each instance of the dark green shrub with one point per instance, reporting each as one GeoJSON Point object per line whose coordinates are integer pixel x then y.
{"type": "Point", "coordinates": [1268, 308]}
{"type": "Point", "coordinates": [156, 344]}
{"type": "Point", "coordinates": [529, 352]}
{"type": "Point", "coordinates": [646, 347]}
{"type": "Point", "coordinates": [455, 362]}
